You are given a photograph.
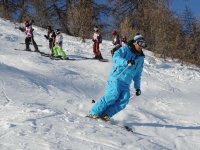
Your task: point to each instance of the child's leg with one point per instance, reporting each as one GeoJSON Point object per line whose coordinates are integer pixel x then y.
{"type": "Point", "coordinates": [61, 52]}
{"type": "Point", "coordinates": [55, 51]}
{"type": "Point", "coordinates": [34, 44]}
{"type": "Point", "coordinates": [27, 42]}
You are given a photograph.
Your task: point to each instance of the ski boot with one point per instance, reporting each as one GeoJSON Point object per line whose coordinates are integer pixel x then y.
{"type": "Point", "coordinates": [100, 57]}
{"type": "Point", "coordinates": [92, 116]}
{"type": "Point", "coordinates": [27, 49]}
{"type": "Point", "coordinates": [105, 117]}
{"type": "Point", "coordinates": [65, 58]}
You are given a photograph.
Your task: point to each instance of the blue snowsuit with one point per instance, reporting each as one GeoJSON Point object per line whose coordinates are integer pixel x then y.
{"type": "Point", "coordinates": [118, 85]}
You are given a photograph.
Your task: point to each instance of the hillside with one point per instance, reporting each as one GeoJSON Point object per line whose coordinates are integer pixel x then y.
{"type": "Point", "coordinates": [43, 102]}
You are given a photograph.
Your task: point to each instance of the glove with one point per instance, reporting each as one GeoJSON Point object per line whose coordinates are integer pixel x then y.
{"type": "Point", "coordinates": [21, 29]}
{"type": "Point", "coordinates": [46, 37]}
{"type": "Point", "coordinates": [138, 92]}
{"type": "Point", "coordinates": [130, 62]}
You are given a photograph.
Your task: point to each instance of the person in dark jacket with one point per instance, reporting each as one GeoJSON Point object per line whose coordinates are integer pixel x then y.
{"type": "Point", "coordinates": [51, 37]}
{"type": "Point", "coordinates": [28, 30]}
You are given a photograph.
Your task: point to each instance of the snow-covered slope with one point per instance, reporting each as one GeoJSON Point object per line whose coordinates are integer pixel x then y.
{"type": "Point", "coordinates": [43, 102]}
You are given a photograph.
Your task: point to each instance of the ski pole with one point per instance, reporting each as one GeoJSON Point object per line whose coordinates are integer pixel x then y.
{"type": "Point", "coordinates": [131, 96]}
{"type": "Point", "coordinates": [93, 101]}
{"type": "Point", "coordinates": [121, 72]}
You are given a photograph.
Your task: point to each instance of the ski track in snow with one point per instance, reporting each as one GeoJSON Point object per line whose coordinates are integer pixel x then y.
{"type": "Point", "coordinates": [43, 102]}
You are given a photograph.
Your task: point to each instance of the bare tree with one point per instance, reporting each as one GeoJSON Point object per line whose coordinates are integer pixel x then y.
{"type": "Point", "coordinates": [60, 10]}
{"type": "Point", "coordinates": [22, 9]}
{"type": "Point", "coordinates": [41, 14]}
{"type": "Point", "coordinates": [5, 9]}
{"type": "Point", "coordinates": [83, 15]}
{"type": "Point", "coordinates": [167, 34]}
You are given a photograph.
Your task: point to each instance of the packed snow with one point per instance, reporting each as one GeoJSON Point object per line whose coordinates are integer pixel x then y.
{"type": "Point", "coordinates": [43, 102]}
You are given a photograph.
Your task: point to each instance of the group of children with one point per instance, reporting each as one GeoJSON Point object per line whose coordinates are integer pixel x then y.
{"type": "Point", "coordinates": [55, 42]}
{"type": "Point", "coordinates": [55, 39]}
{"type": "Point", "coordinates": [117, 41]}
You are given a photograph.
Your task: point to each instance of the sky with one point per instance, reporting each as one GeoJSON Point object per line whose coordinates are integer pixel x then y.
{"type": "Point", "coordinates": [179, 6]}
{"type": "Point", "coordinates": [43, 102]}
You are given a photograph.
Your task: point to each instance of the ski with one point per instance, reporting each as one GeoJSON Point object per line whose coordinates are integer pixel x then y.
{"type": "Point", "coordinates": [42, 53]}
{"type": "Point", "coordinates": [23, 50]}
{"type": "Point", "coordinates": [60, 58]}
{"type": "Point", "coordinates": [124, 127]}
{"type": "Point", "coordinates": [127, 128]}
{"type": "Point", "coordinates": [32, 44]}
{"type": "Point", "coordinates": [45, 54]}
{"type": "Point", "coordinates": [102, 60]}
{"type": "Point", "coordinates": [111, 123]}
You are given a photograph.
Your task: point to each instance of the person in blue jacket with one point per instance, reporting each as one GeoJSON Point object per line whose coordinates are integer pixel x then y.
{"type": "Point", "coordinates": [128, 66]}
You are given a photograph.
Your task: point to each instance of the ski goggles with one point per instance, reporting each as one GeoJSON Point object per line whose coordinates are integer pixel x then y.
{"type": "Point", "coordinates": [141, 44]}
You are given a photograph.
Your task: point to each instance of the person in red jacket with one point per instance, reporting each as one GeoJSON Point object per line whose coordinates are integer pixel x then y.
{"type": "Point", "coordinates": [116, 39]}
{"type": "Point", "coordinates": [97, 39]}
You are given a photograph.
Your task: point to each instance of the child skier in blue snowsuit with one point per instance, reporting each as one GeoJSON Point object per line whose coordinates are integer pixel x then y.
{"type": "Point", "coordinates": [128, 66]}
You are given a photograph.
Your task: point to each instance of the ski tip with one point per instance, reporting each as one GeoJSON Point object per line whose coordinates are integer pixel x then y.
{"type": "Point", "coordinates": [128, 128]}
{"type": "Point", "coordinates": [104, 60]}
